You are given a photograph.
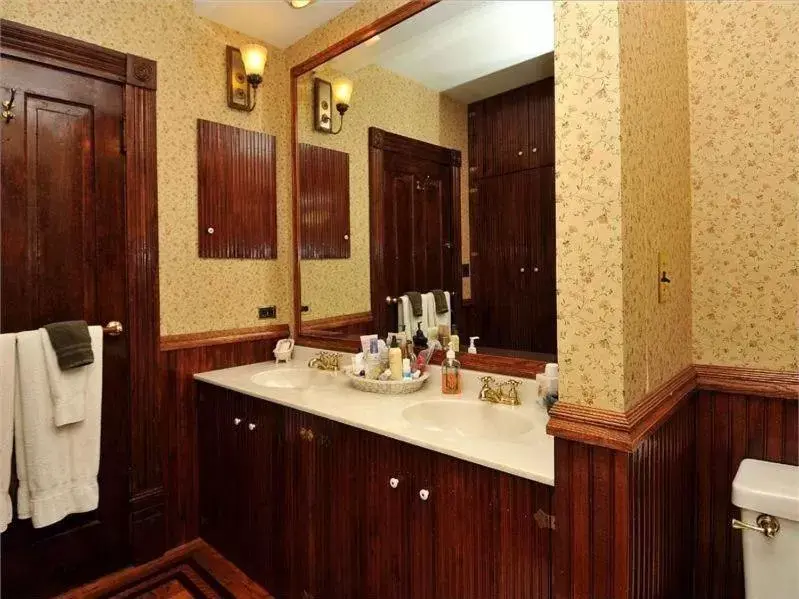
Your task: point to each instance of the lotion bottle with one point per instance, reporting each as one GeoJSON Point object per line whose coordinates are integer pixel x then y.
{"type": "Point", "coordinates": [451, 374]}
{"type": "Point", "coordinates": [395, 360]}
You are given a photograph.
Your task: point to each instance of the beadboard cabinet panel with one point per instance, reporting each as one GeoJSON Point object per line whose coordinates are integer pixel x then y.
{"type": "Point", "coordinates": [236, 192]}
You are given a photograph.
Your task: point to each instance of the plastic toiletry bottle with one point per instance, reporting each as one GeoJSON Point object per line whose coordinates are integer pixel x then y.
{"type": "Point", "coordinates": [472, 348]}
{"type": "Point", "coordinates": [395, 360]}
{"type": "Point", "coordinates": [406, 369]}
{"type": "Point", "coordinates": [451, 374]}
{"type": "Point", "coordinates": [551, 378]}
{"type": "Point", "coordinates": [455, 339]}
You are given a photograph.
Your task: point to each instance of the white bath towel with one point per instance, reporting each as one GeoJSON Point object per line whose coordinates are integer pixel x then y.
{"type": "Point", "coordinates": [68, 388]}
{"type": "Point", "coordinates": [8, 377]}
{"type": "Point", "coordinates": [56, 466]}
{"type": "Point", "coordinates": [434, 319]}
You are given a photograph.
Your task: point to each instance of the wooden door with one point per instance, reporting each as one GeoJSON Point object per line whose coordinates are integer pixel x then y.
{"type": "Point", "coordinates": [414, 220]}
{"type": "Point", "coordinates": [63, 257]}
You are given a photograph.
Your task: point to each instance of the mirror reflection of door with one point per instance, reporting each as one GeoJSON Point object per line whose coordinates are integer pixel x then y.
{"type": "Point", "coordinates": [472, 79]}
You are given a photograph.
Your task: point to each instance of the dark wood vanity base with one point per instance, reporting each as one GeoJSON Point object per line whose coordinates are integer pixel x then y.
{"type": "Point", "coordinates": [314, 509]}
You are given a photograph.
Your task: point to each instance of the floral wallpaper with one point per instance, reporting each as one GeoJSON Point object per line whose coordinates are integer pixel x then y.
{"type": "Point", "coordinates": [622, 157]}
{"type": "Point", "coordinates": [655, 193]}
{"type": "Point", "coordinates": [196, 295]}
{"type": "Point", "coordinates": [588, 208]}
{"type": "Point", "coordinates": [744, 73]}
{"type": "Point", "coordinates": [389, 101]}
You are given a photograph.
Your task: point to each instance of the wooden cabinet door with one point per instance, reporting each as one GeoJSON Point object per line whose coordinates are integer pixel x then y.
{"type": "Point", "coordinates": [505, 134]}
{"type": "Point", "coordinates": [541, 123]}
{"type": "Point", "coordinates": [465, 507]}
{"type": "Point", "coordinates": [262, 461]}
{"type": "Point", "coordinates": [223, 471]}
{"type": "Point", "coordinates": [542, 281]}
{"type": "Point", "coordinates": [323, 503]}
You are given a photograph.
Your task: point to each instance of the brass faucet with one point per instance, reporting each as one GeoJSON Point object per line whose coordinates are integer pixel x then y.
{"type": "Point", "coordinates": [325, 361]}
{"type": "Point", "coordinates": [503, 393]}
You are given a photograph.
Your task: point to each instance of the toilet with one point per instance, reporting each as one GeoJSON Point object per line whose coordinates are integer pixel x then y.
{"type": "Point", "coordinates": [768, 495]}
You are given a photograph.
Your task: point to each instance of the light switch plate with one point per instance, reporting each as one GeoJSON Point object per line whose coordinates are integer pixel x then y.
{"type": "Point", "coordinates": [664, 279]}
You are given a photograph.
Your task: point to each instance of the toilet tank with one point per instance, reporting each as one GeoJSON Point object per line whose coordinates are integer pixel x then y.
{"type": "Point", "coordinates": [771, 565]}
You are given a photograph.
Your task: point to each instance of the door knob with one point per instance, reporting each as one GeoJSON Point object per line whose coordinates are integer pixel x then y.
{"type": "Point", "coordinates": [535, 269]}
{"type": "Point", "coordinates": [535, 150]}
{"type": "Point", "coordinates": [113, 329]}
{"type": "Point", "coordinates": [210, 230]}
{"type": "Point", "coordinates": [393, 482]}
{"type": "Point", "coordinates": [346, 237]}
{"type": "Point", "coordinates": [521, 269]}
{"type": "Point", "coordinates": [520, 152]}
{"type": "Point", "coordinates": [237, 421]}
{"type": "Point", "coordinates": [251, 426]}
{"type": "Point", "coordinates": [424, 494]}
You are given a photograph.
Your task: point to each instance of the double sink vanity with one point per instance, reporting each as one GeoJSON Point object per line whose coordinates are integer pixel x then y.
{"type": "Point", "coordinates": [318, 490]}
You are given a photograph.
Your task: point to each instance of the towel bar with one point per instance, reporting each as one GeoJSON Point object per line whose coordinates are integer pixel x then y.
{"type": "Point", "coordinates": [113, 328]}
{"type": "Point", "coordinates": [393, 300]}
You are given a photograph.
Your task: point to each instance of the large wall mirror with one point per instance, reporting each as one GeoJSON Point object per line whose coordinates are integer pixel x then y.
{"type": "Point", "coordinates": [425, 180]}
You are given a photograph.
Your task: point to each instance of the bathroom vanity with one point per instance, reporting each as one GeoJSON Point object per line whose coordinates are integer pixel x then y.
{"type": "Point", "coordinates": [317, 490]}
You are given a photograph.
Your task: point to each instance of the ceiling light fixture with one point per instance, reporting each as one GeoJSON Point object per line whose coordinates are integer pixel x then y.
{"type": "Point", "coordinates": [299, 3]}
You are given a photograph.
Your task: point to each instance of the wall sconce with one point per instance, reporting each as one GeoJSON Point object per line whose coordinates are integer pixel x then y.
{"type": "Point", "coordinates": [326, 95]}
{"type": "Point", "coordinates": [245, 72]}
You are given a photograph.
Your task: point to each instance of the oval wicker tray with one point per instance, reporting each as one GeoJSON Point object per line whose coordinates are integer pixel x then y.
{"type": "Point", "coordinates": [388, 387]}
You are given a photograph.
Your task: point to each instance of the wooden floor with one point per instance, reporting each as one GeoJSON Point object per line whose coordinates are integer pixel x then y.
{"type": "Point", "coordinates": [193, 571]}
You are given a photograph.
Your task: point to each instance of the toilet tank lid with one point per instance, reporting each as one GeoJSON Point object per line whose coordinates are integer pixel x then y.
{"type": "Point", "coordinates": [767, 488]}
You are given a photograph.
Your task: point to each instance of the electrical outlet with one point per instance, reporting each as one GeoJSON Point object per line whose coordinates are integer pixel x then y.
{"type": "Point", "coordinates": [267, 312]}
{"type": "Point", "coordinates": [664, 279]}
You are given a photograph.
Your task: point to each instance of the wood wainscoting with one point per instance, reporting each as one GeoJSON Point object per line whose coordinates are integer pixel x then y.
{"type": "Point", "coordinates": [642, 500]}
{"type": "Point", "coordinates": [360, 323]}
{"type": "Point", "coordinates": [181, 357]}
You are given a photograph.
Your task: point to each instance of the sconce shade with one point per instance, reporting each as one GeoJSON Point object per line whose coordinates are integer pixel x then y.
{"type": "Point", "coordinates": [342, 91]}
{"type": "Point", "coordinates": [254, 58]}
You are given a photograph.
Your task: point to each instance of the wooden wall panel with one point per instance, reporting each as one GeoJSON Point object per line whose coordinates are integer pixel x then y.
{"type": "Point", "coordinates": [729, 428]}
{"type": "Point", "coordinates": [236, 193]}
{"type": "Point", "coordinates": [324, 203]}
{"type": "Point", "coordinates": [178, 393]}
{"type": "Point", "coordinates": [360, 323]}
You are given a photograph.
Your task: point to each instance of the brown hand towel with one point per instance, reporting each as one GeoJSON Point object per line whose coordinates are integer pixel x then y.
{"type": "Point", "coordinates": [71, 343]}
{"type": "Point", "coordinates": [416, 302]}
{"type": "Point", "coordinates": [441, 301]}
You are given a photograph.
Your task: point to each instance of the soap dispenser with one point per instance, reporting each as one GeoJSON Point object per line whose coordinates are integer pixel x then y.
{"type": "Point", "coordinates": [472, 348]}
{"type": "Point", "coordinates": [451, 374]}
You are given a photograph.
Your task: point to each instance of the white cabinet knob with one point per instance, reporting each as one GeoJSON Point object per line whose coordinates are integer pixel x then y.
{"type": "Point", "coordinates": [535, 269]}
{"type": "Point", "coordinates": [521, 269]}
{"type": "Point", "coordinates": [237, 421]}
{"type": "Point", "coordinates": [346, 237]}
{"type": "Point", "coordinates": [424, 494]}
{"type": "Point", "coordinates": [251, 426]}
{"type": "Point", "coordinates": [535, 150]}
{"type": "Point", "coordinates": [210, 230]}
{"type": "Point", "coordinates": [393, 482]}
{"type": "Point", "coordinates": [520, 152]}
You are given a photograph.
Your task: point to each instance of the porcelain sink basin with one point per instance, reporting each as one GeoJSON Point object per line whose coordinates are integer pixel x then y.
{"type": "Point", "coordinates": [293, 378]}
{"type": "Point", "coordinates": [468, 418]}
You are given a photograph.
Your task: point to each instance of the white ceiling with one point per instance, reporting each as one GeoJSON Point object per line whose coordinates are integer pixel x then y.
{"type": "Point", "coordinates": [468, 49]}
{"type": "Point", "coordinates": [272, 21]}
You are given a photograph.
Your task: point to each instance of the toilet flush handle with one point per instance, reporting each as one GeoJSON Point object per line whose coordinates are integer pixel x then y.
{"type": "Point", "coordinates": [766, 525]}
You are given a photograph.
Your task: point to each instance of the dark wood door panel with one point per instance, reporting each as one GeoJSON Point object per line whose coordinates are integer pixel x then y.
{"type": "Point", "coordinates": [505, 137]}
{"type": "Point", "coordinates": [541, 99]}
{"type": "Point", "coordinates": [63, 256]}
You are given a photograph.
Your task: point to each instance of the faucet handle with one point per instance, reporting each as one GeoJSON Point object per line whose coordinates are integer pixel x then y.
{"type": "Point", "coordinates": [486, 380]}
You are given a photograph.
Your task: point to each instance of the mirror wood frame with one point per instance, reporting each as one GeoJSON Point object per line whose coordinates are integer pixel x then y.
{"type": "Point", "coordinates": [505, 365]}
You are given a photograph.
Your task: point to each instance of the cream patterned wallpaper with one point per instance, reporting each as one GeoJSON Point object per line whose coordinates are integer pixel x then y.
{"type": "Point", "coordinates": [744, 75]}
{"type": "Point", "coordinates": [655, 193]}
{"type": "Point", "coordinates": [196, 295]}
{"type": "Point", "coordinates": [588, 208]}
{"type": "Point", "coordinates": [388, 101]}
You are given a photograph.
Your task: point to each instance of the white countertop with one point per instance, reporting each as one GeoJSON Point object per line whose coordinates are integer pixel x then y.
{"type": "Point", "coordinates": [530, 455]}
